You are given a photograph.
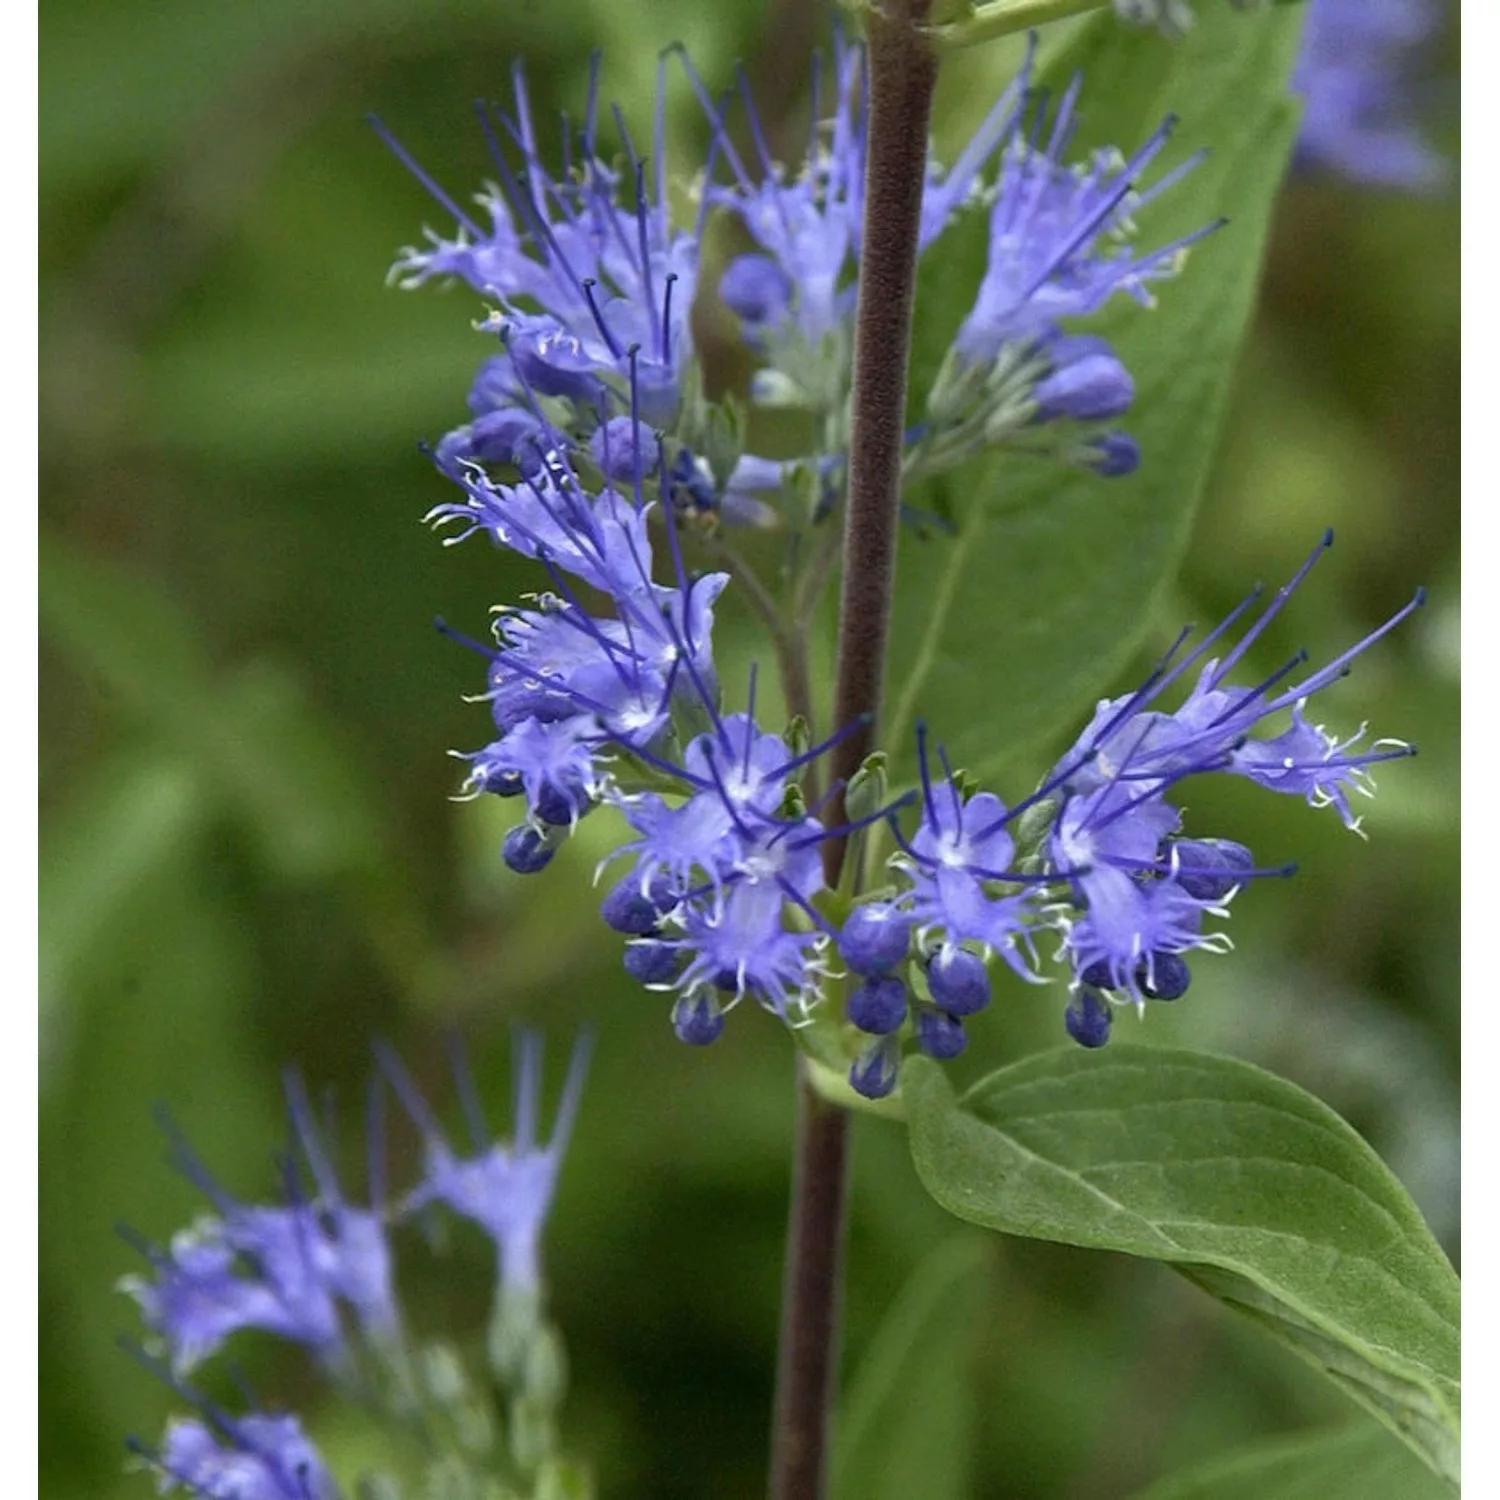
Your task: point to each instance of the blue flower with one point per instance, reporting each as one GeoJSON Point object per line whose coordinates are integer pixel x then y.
{"type": "Point", "coordinates": [1057, 235]}
{"type": "Point", "coordinates": [286, 1270]}
{"type": "Point", "coordinates": [553, 763]}
{"type": "Point", "coordinates": [592, 248]}
{"type": "Point", "coordinates": [566, 688]}
{"type": "Point", "coordinates": [1060, 247]}
{"type": "Point", "coordinates": [1358, 115]}
{"type": "Point", "coordinates": [1139, 893]}
{"type": "Point", "coordinates": [961, 850]}
{"type": "Point", "coordinates": [807, 225]}
{"type": "Point", "coordinates": [731, 875]}
{"type": "Point", "coordinates": [255, 1457]}
{"type": "Point", "coordinates": [507, 1188]}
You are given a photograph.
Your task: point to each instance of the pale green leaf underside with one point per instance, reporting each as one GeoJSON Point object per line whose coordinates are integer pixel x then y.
{"type": "Point", "coordinates": [1004, 634]}
{"type": "Point", "coordinates": [1248, 1185]}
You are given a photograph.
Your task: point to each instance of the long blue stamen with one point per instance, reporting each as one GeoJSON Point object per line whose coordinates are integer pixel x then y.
{"type": "Point", "coordinates": [416, 169]}
{"type": "Point", "coordinates": [468, 1094]}
{"type": "Point", "coordinates": [589, 283]}
{"type": "Point", "coordinates": [1168, 868]}
{"type": "Point", "coordinates": [409, 1094]}
{"type": "Point", "coordinates": [375, 1155]}
{"type": "Point", "coordinates": [526, 1072]}
{"type": "Point", "coordinates": [591, 108]}
{"type": "Point", "coordinates": [1338, 667]}
{"type": "Point", "coordinates": [443, 628]}
{"type": "Point", "coordinates": [928, 803]}
{"type": "Point", "coordinates": [1274, 608]}
{"type": "Point", "coordinates": [854, 825]}
{"type": "Point", "coordinates": [862, 721]}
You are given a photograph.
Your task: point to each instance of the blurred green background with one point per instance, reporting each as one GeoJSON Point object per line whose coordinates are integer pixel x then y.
{"type": "Point", "coordinates": [250, 855]}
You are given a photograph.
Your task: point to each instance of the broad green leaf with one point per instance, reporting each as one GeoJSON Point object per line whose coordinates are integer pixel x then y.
{"type": "Point", "coordinates": [907, 1424]}
{"type": "Point", "coordinates": [1359, 1462]}
{"type": "Point", "coordinates": [1003, 634]}
{"type": "Point", "coordinates": [1245, 1183]}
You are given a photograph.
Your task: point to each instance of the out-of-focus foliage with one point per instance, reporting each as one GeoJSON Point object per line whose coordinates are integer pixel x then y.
{"type": "Point", "coordinates": [249, 854]}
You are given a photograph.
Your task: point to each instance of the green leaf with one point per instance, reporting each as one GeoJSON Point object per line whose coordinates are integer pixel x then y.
{"type": "Point", "coordinates": [1245, 1183]}
{"type": "Point", "coordinates": [907, 1424]}
{"type": "Point", "coordinates": [1359, 1462]}
{"type": "Point", "coordinates": [1003, 634]}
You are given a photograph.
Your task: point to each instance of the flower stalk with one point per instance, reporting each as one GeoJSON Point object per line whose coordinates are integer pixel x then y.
{"type": "Point", "coordinates": [903, 73]}
{"type": "Point", "coordinates": [902, 76]}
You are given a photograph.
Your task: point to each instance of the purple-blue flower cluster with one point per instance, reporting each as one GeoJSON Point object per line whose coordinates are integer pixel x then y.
{"type": "Point", "coordinates": [1098, 853]}
{"type": "Point", "coordinates": [1355, 77]}
{"type": "Point", "coordinates": [565, 682]}
{"type": "Point", "coordinates": [623, 709]}
{"type": "Point", "coordinates": [593, 453]}
{"type": "Point", "coordinates": [317, 1271]}
{"type": "Point", "coordinates": [1058, 251]}
{"type": "Point", "coordinates": [591, 287]}
{"type": "Point", "coordinates": [1355, 73]}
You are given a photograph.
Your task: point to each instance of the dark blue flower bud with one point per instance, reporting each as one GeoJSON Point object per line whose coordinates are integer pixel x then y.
{"type": "Point", "coordinates": [1098, 975]}
{"type": "Point", "coordinates": [1115, 454]}
{"type": "Point", "coordinates": [874, 1074]}
{"type": "Point", "coordinates": [958, 981]}
{"type": "Point", "coordinates": [1167, 977]}
{"type": "Point", "coordinates": [527, 850]}
{"type": "Point", "coordinates": [755, 288]}
{"type": "Point", "coordinates": [940, 1035]}
{"type": "Point", "coordinates": [1210, 868]}
{"type": "Point", "coordinates": [1087, 383]}
{"type": "Point", "coordinates": [875, 938]}
{"type": "Point", "coordinates": [561, 806]}
{"type": "Point", "coordinates": [502, 783]}
{"type": "Point", "coordinates": [648, 960]}
{"type": "Point", "coordinates": [879, 1005]}
{"type": "Point", "coordinates": [1088, 1019]}
{"type": "Point", "coordinates": [692, 483]}
{"type": "Point", "coordinates": [697, 1019]}
{"type": "Point", "coordinates": [629, 909]}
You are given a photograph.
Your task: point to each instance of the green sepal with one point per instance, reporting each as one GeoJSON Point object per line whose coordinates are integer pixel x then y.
{"type": "Point", "coordinates": [866, 792]}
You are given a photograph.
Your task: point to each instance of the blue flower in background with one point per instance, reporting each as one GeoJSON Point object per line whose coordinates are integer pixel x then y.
{"type": "Point", "coordinates": [1354, 74]}
{"type": "Point", "coordinates": [245, 1458]}
{"type": "Point", "coordinates": [288, 1270]}
{"type": "Point", "coordinates": [505, 1188]}
{"type": "Point", "coordinates": [304, 1269]}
